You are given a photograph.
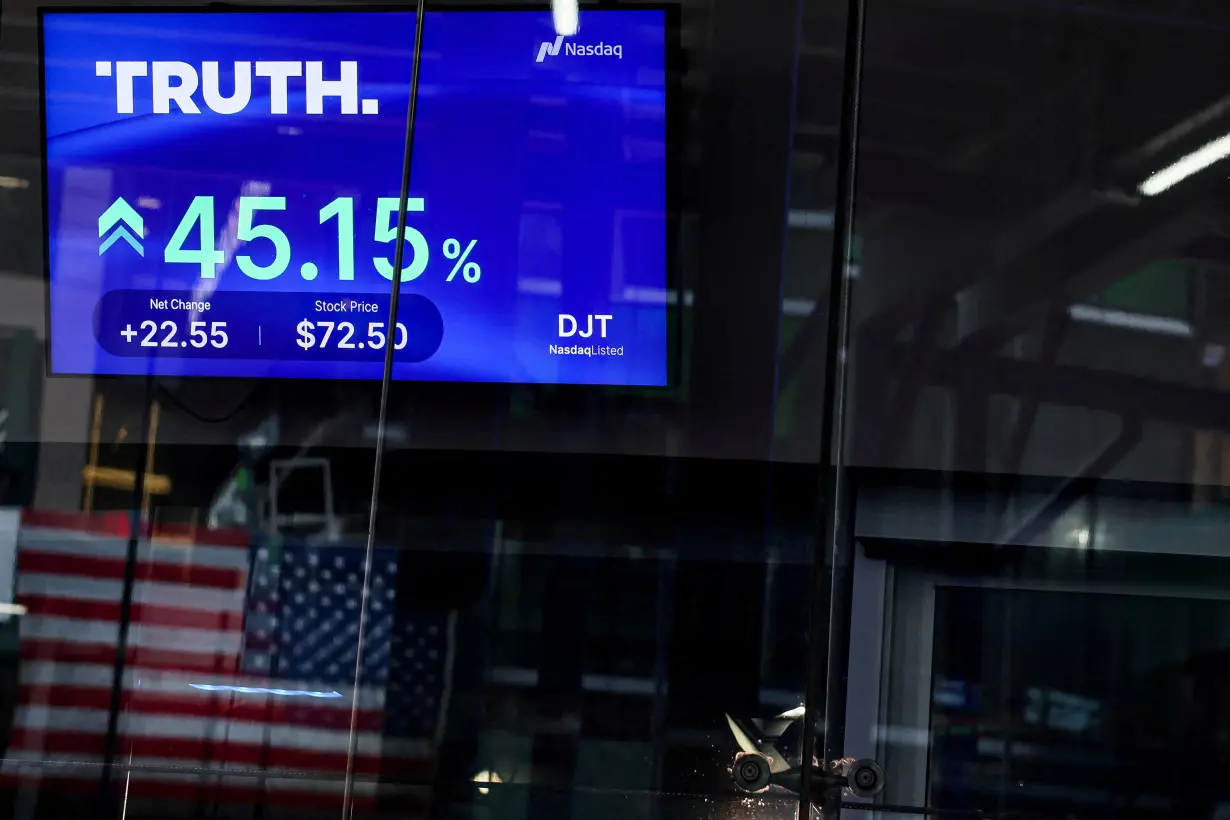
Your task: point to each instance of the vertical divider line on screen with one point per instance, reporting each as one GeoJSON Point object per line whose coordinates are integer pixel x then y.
{"type": "Point", "coordinates": [399, 240]}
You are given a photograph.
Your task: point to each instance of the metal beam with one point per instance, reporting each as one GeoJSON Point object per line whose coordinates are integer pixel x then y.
{"type": "Point", "coordinates": [1027, 413]}
{"type": "Point", "coordinates": [997, 308]}
{"type": "Point", "coordinates": [1075, 487]}
{"type": "Point", "coordinates": [1072, 386]}
{"type": "Point", "coordinates": [912, 381]}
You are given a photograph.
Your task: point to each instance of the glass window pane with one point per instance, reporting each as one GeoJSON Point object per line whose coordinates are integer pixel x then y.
{"type": "Point", "coordinates": [190, 437]}
{"type": "Point", "coordinates": [619, 567]}
{"type": "Point", "coordinates": [1037, 377]}
{"type": "Point", "coordinates": [585, 587]}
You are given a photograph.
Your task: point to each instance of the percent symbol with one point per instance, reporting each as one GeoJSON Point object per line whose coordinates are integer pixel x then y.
{"type": "Point", "coordinates": [470, 271]}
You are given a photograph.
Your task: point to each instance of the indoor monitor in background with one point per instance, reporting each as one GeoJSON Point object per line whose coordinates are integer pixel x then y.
{"type": "Point", "coordinates": [223, 191]}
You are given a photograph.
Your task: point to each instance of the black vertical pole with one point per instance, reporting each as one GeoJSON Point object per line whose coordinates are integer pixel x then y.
{"type": "Point", "coordinates": [416, 59]}
{"type": "Point", "coordinates": [135, 527]}
{"type": "Point", "coordinates": [835, 537]}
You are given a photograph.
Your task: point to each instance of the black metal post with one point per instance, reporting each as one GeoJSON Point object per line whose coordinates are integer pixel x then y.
{"type": "Point", "coordinates": [416, 59]}
{"type": "Point", "coordinates": [135, 528]}
{"type": "Point", "coordinates": [834, 537]}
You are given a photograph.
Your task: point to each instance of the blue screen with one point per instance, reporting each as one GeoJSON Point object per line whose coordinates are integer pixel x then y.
{"type": "Point", "coordinates": [223, 192]}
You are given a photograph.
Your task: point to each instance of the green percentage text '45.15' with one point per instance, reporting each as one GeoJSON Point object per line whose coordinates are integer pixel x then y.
{"type": "Point", "coordinates": [200, 216]}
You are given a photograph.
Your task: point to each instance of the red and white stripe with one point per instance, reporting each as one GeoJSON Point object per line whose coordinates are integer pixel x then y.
{"type": "Point", "coordinates": [186, 627]}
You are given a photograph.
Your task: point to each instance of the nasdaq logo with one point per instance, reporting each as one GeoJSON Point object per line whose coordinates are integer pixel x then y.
{"type": "Point", "coordinates": [552, 49]}
{"type": "Point", "coordinates": [184, 88]}
{"type": "Point", "coordinates": [549, 49]}
{"type": "Point", "coordinates": [128, 224]}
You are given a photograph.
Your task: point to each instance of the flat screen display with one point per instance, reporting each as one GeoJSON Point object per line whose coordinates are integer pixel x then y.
{"type": "Point", "coordinates": [223, 187]}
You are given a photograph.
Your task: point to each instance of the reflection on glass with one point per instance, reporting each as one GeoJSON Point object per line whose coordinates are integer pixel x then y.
{"type": "Point", "coordinates": [190, 624]}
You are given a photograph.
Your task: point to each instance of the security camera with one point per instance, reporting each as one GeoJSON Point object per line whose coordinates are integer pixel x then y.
{"type": "Point", "coordinates": [769, 746]}
{"type": "Point", "coordinates": [864, 778]}
{"type": "Point", "coordinates": [751, 772]}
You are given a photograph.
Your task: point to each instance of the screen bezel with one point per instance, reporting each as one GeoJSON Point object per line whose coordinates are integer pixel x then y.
{"type": "Point", "coordinates": [673, 313]}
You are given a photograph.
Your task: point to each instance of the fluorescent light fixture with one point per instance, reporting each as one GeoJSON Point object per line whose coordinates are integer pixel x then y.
{"type": "Point", "coordinates": [1162, 325]}
{"type": "Point", "coordinates": [261, 690]}
{"type": "Point", "coordinates": [566, 16]}
{"type": "Point", "coordinates": [14, 182]}
{"type": "Point", "coordinates": [1186, 166]}
{"type": "Point", "coordinates": [12, 609]}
